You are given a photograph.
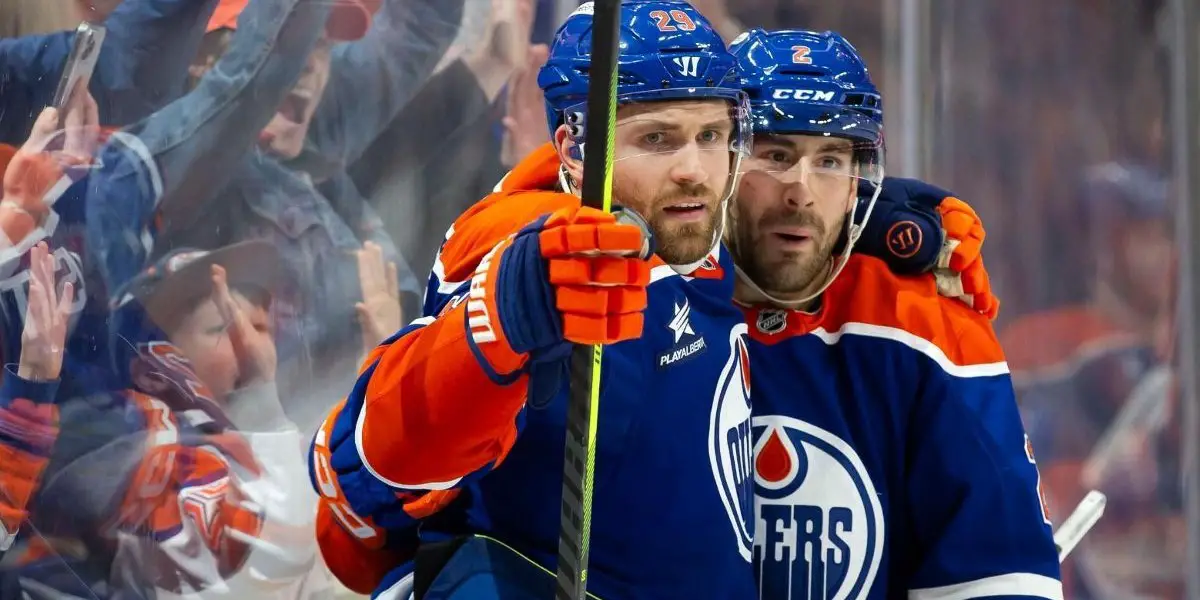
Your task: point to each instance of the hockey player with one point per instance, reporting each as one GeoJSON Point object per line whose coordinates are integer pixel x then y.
{"type": "Point", "coordinates": [890, 460]}
{"type": "Point", "coordinates": [412, 442]}
{"type": "Point", "coordinates": [470, 408]}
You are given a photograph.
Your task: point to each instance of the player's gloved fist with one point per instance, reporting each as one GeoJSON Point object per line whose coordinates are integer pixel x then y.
{"type": "Point", "coordinates": [576, 275]}
{"type": "Point", "coordinates": [902, 232]}
{"type": "Point", "coordinates": [906, 235]}
{"type": "Point", "coordinates": [598, 273]}
{"type": "Point", "coordinates": [960, 271]}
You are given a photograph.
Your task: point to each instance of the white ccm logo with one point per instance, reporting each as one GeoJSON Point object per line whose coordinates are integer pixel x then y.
{"type": "Point", "coordinates": [689, 66]}
{"type": "Point", "coordinates": [814, 95]}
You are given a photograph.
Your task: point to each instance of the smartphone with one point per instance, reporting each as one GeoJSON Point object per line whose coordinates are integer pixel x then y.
{"type": "Point", "coordinates": [80, 63]}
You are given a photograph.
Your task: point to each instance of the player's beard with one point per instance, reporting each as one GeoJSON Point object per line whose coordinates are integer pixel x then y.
{"type": "Point", "coordinates": [784, 271]}
{"type": "Point", "coordinates": [676, 243]}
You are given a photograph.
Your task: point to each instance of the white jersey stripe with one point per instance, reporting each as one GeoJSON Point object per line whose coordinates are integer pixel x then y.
{"type": "Point", "coordinates": [915, 342]}
{"type": "Point", "coordinates": [1010, 584]}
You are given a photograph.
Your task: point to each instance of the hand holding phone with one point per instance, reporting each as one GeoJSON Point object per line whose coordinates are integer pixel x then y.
{"type": "Point", "coordinates": [77, 112]}
{"type": "Point", "coordinates": [81, 63]}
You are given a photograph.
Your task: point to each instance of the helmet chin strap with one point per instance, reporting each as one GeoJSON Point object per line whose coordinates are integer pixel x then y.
{"type": "Point", "coordinates": [853, 232]}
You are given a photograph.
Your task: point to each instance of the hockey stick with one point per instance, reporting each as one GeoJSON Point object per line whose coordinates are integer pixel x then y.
{"type": "Point", "coordinates": [584, 404]}
{"type": "Point", "coordinates": [1078, 523]}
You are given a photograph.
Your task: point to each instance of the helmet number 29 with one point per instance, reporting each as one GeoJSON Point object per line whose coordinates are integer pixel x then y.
{"type": "Point", "coordinates": [675, 20]}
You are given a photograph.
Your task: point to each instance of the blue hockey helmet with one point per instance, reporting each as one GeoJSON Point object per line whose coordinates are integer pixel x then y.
{"type": "Point", "coordinates": [808, 83]}
{"type": "Point", "coordinates": [814, 84]}
{"type": "Point", "coordinates": [668, 51]}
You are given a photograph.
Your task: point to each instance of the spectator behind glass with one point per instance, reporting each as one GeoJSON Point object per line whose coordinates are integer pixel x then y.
{"type": "Point", "coordinates": [141, 66]}
{"type": "Point", "coordinates": [221, 184]}
{"type": "Point", "coordinates": [95, 535]}
{"type": "Point", "coordinates": [197, 455]}
{"type": "Point", "coordinates": [31, 174]}
{"type": "Point", "coordinates": [441, 150]}
{"type": "Point", "coordinates": [222, 329]}
{"type": "Point", "coordinates": [1094, 385]}
{"type": "Point", "coordinates": [284, 136]}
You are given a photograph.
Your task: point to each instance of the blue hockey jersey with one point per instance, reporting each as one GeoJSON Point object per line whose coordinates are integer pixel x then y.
{"type": "Point", "coordinates": [426, 434]}
{"type": "Point", "coordinates": [890, 459]}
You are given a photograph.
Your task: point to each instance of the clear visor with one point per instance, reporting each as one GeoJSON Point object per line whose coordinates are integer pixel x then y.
{"type": "Point", "coordinates": [825, 166]}
{"type": "Point", "coordinates": [666, 125]}
{"type": "Point", "coordinates": [699, 135]}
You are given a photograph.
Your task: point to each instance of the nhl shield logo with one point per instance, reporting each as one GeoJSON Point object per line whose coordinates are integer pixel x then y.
{"type": "Point", "coordinates": [771, 321]}
{"type": "Point", "coordinates": [820, 524]}
{"type": "Point", "coordinates": [730, 447]}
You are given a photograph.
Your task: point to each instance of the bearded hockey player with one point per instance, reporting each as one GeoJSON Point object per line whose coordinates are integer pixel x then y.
{"type": "Point", "coordinates": [890, 461]}
{"type": "Point", "coordinates": [442, 427]}
{"type": "Point", "coordinates": [467, 412]}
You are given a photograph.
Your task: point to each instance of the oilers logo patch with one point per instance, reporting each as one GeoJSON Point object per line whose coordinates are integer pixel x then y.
{"type": "Point", "coordinates": [820, 528]}
{"type": "Point", "coordinates": [730, 447]}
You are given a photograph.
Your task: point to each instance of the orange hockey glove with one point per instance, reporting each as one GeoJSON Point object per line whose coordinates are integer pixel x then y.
{"type": "Point", "coordinates": [960, 271]}
{"type": "Point", "coordinates": [957, 265]}
{"type": "Point", "coordinates": [576, 275]}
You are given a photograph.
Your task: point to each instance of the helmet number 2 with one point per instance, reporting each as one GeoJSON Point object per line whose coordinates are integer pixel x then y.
{"type": "Point", "coordinates": [676, 20]}
{"type": "Point", "coordinates": [800, 55]}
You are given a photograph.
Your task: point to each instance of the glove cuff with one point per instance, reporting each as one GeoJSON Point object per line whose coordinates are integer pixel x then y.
{"type": "Point", "coordinates": [528, 312]}
{"type": "Point", "coordinates": [485, 331]}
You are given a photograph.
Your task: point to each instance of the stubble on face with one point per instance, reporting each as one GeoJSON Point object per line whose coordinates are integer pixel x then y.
{"type": "Point", "coordinates": [677, 243]}
{"type": "Point", "coordinates": [784, 271]}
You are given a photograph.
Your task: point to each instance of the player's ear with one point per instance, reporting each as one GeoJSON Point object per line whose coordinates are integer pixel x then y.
{"type": "Point", "coordinates": [569, 153]}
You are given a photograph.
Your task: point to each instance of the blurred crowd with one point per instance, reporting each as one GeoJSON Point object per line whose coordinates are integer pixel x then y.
{"type": "Point", "coordinates": [201, 241]}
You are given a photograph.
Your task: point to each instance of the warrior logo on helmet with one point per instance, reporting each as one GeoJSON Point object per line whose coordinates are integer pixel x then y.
{"type": "Point", "coordinates": [820, 528]}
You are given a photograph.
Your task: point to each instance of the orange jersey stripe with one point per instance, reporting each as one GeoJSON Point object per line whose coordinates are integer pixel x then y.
{"type": "Point", "coordinates": [868, 298]}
